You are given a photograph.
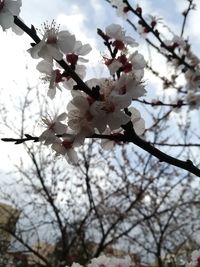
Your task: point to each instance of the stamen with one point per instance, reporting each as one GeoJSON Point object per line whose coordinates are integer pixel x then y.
{"type": "Point", "coordinates": [50, 31]}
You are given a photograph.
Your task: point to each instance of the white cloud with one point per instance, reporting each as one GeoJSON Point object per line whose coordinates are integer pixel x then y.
{"type": "Point", "coordinates": [96, 5]}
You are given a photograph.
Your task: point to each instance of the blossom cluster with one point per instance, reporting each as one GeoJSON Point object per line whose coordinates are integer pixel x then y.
{"type": "Point", "coordinates": [191, 73]}
{"type": "Point", "coordinates": [59, 45]}
{"type": "Point", "coordinates": [86, 115]}
{"type": "Point", "coordinates": [177, 50]}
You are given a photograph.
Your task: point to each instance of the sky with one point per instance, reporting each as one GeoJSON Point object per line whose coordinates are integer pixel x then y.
{"type": "Point", "coordinates": [81, 18]}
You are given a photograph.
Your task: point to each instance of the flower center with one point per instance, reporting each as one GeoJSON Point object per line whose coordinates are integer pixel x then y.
{"type": "Point", "coordinates": [1, 4]}
{"type": "Point", "coordinates": [126, 9]}
{"type": "Point", "coordinates": [88, 116]}
{"type": "Point", "coordinates": [72, 58]}
{"type": "Point", "coordinates": [58, 77]}
{"type": "Point", "coordinates": [51, 126]}
{"type": "Point", "coordinates": [108, 61]}
{"type": "Point", "coordinates": [118, 44]}
{"type": "Point", "coordinates": [127, 67]}
{"type": "Point", "coordinates": [197, 78]}
{"type": "Point", "coordinates": [67, 144]}
{"type": "Point", "coordinates": [198, 262]}
{"type": "Point", "coordinates": [51, 37]}
{"type": "Point", "coordinates": [109, 107]}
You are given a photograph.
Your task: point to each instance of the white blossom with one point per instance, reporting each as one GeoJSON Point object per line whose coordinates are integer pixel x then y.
{"type": "Point", "coordinates": [109, 110]}
{"type": "Point", "coordinates": [116, 32]}
{"type": "Point", "coordinates": [53, 76]}
{"type": "Point", "coordinates": [54, 126]}
{"type": "Point", "coordinates": [133, 65]}
{"type": "Point", "coordinates": [138, 125]}
{"type": "Point", "coordinates": [137, 60]}
{"type": "Point", "coordinates": [127, 84]}
{"type": "Point", "coordinates": [78, 52]}
{"type": "Point", "coordinates": [65, 147]}
{"type": "Point", "coordinates": [80, 120]}
{"type": "Point", "coordinates": [54, 43]}
{"type": "Point", "coordinates": [121, 8]}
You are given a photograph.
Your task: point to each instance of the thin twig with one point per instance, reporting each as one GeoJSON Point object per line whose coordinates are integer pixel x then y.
{"type": "Point", "coordinates": [185, 15]}
{"type": "Point", "coordinates": [130, 136]}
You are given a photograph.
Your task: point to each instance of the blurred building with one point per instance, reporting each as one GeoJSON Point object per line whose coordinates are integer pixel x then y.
{"type": "Point", "coordinates": [8, 219]}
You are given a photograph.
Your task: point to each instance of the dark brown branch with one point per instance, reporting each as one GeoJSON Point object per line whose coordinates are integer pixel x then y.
{"type": "Point", "coordinates": [130, 136]}
{"type": "Point", "coordinates": [18, 141]}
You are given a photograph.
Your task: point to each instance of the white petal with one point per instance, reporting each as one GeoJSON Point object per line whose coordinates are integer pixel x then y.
{"type": "Point", "coordinates": [137, 91]}
{"type": "Point", "coordinates": [139, 126]}
{"type": "Point", "coordinates": [13, 6]}
{"type": "Point", "coordinates": [130, 41]}
{"type": "Point", "coordinates": [45, 67]}
{"type": "Point", "coordinates": [62, 116]}
{"type": "Point", "coordinates": [81, 71]}
{"type": "Point", "coordinates": [135, 114]}
{"type": "Point", "coordinates": [81, 103]}
{"type": "Point", "coordinates": [59, 148]}
{"type": "Point", "coordinates": [84, 50]}
{"type": "Point", "coordinates": [80, 137]}
{"type": "Point", "coordinates": [93, 82]}
{"type": "Point", "coordinates": [48, 137]}
{"type": "Point", "coordinates": [6, 20]}
{"type": "Point", "coordinates": [54, 52]}
{"type": "Point", "coordinates": [66, 42]}
{"type": "Point", "coordinates": [117, 119]}
{"type": "Point", "coordinates": [121, 101]}
{"type": "Point", "coordinates": [114, 66]}
{"type": "Point", "coordinates": [114, 31]}
{"type": "Point", "coordinates": [100, 124]}
{"type": "Point", "coordinates": [137, 60]}
{"type": "Point", "coordinates": [71, 156]}
{"type": "Point", "coordinates": [51, 93]}
{"type": "Point", "coordinates": [60, 128]}
{"type": "Point", "coordinates": [68, 84]}
{"type": "Point", "coordinates": [138, 74]}
{"type": "Point", "coordinates": [77, 46]}
{"type": "Point", "coordinates": [34, 50]}
{"type": "Point", "coordinates": [83, 60]}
